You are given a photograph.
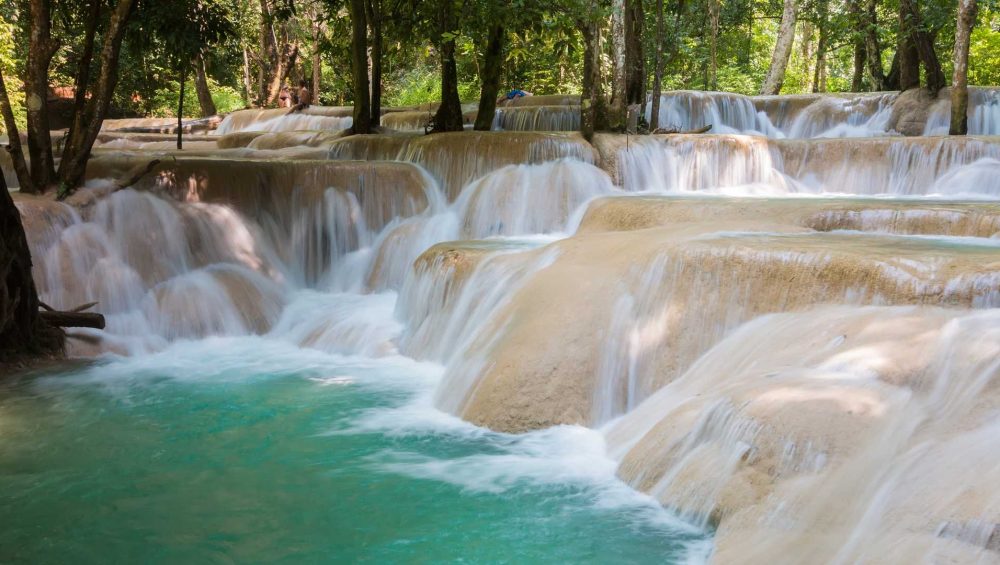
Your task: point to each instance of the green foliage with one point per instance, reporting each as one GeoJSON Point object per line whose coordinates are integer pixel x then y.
{"type": "Point", "coordinates": [8, 66]}
{"type": "Point", "coordinates": [423, 84]}
{"type": "Point", "coordinates": [164, 101]}
{"type": "Point", "coordinates": [984, 50]}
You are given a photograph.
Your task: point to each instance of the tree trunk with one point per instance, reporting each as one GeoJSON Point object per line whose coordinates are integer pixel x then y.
{"type": "Point", "coordinates": [819, 74]}
{"type": "Point", "coordinates": [14, 143]}
{"type": "Point", "coordinates": [180, 109]}
{"type": "Point", "coordinates": [80, 142]}
{"type": "Point", "coordinates": [41, 48]}
{"type": "Point", "coordinates": [375, 23]}
{"type": "Point", "coordinates": [247, 83]}
{"type": "Point", "coordinates": [201, 86]}
{"type": "Point", "coordinates": [591, 100]}
{"type": "Point", "coordinates": [359, 66]}
{"type": "Point", "coordinates": [806, 44]}
{"type": "Point", "coordinates": [713, 41]}
{"type": "Point", "coordinates": [909, 60]}
{"type": "Point", "coordinates": [924, 45]}
{"type": "Point", "coordinates": [449, 114]}
{"type": "Point", "coordinates": [857, 20]}
{"type": "Point", "coordinates": [268, 52]}
{"type": "Point", "coordinates": [873, 51]}
{"type": "Point", "coordinates": [21, 329]}
{"type": "Point", "coordinates": [782, 50]}
{"type": "Point", "coordinates": [83, 69]}
{"type": "Point", "coordinates": [489, 75]}
{"type": "Point", "coordinates": [654, 112]}
{"type": "Point", "coordinates": [960, 77]}
{"type": "Point", "coordinates": [616, 111]}
{"type": "Point", "coordinates": [635, 67]}
{"type": "Point", "coordinates": [286, 61]}
{"type": "Point", "coordinates": [317, 64]}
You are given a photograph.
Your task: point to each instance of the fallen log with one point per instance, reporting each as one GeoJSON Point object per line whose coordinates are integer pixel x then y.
{"type": "Point", "coordinates": [73, 319]}
{"type": "Point", "coordinates": [677, 131]}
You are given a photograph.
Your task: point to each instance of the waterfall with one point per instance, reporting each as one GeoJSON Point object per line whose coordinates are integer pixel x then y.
{"type": "Point", "coordinates": [784, 330]}
{"type": "Point", "coordinates": [735, 164]}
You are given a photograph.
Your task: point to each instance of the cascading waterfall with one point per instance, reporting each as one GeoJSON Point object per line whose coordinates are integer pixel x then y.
{"type": "Point", "coordinates": [753, 165]}
{"type": "Point", "coordinates": [312, 118]}
{"type": "Point", "coordinates": [984, 114]}
{"type": "Point", "coordinates": [537, 118]}
{"type": "Point", "coordinates": [789, 342]}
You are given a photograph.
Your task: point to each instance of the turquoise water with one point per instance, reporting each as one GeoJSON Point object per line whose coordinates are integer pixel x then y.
{"type": "Point", "coordinates": [252, 450]}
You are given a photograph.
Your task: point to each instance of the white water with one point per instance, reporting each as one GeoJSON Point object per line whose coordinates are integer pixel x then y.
{"type": "Point", "coordinates": [686, 340]}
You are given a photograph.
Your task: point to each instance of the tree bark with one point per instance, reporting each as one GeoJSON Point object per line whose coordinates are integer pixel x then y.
{"type": "Point", "coordinates": [359, 67]}
{"type": "Point", "coordinates": [782, 50]}
{"type": "Point", "coordinates": [247, 83]}
{"type": "Point", "coordinates": [22, 331]}
{"type": "Point", "coordinates": [635, 66]}
{"type": "Point", "coordinates": [180, 109]}
{"type": "Point", "coordinates": [909, 60]}
{"type": "Point", "coordinates": [873, 51]}
{"type": "Point", "coordinates": [819, 74]}
{"type": "Point", "coordinates": [375, 23]}
{"type": "Point", "coordinates": [924, 44]}
{"type": "Point", "coordinates": [83, 68]}
{"type": "Point", "coordinates": [857, 20]}
{"type": "Point", "coordinates": [80, 142]}
{"type": "Point", "coordinates": [14, 143]}
{"type": "Point", "coordinates": [317, 62]}
{"type": "Point", "coordinates": [654, 112]}
{"type": "Point", "coordinates": [449, 114]}
{"type": "Point", "coordinates": [286, 61]}
{"type": "Point", "coordinates": [967, 10]}
{"type": "Point", "coordinates": [713, 61]}
{"type": "Point", "coordinates": [205, 101]}
{"type": "Point", "coordinates": [591, 100]}
{"type": "Point", "coordinates": [268, 52]}
{"type": "Point", "coordinates": [41, 48]}
{"type": "Point", "coordinates": [489, 75]}
{"type": "Point", "coordinates": [616, 106]}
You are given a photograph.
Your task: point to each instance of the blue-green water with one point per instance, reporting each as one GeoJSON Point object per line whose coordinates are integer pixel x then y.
{"type": "Point", "coordinates": [236, 450]}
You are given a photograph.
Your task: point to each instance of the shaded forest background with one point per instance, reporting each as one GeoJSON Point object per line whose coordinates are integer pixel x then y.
{"type": "Point", "coordinates": [722, 45]}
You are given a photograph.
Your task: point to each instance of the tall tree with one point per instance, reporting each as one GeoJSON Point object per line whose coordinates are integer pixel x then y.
{"type": "Point", "coordinates": [88, 112]}
{"type": "Point", "coordinates": [374, 17]}
{"type": "Point", "coordinates": [41, 48]}
{"type": "Point", "coordinates": [592, 104]}
{"type": "Point", "coordinates": [489, 74]}
{"type": "Point", "coordinates": [205, 101]}
{"type": "Point", "coordinates": [359, 66]}
{"type": "Point", "coordinates": [616, 109]}
{"type": "Point", "coordinates": [635, 61]}
{"type": "Point", "coordinates": [713, 45]}
{"type": "Point", "coordinates": [923, 44]}
{"type": "Point", "coordinates": [449, 113]}
{"type": "Point", "coordinates": [24, 178]}
{"type": "Point", "coordinates": [819, 73]}
{"type": "Point", "coordinates": [873, 50]}
{"type": "Point", "coordinates": [967, 10]}
{"type": "Point", "coordinates": [906, 51]}
{"type": "Point", "coordinates": [782, 50]}
{"type": "Point", "coordinates": [654, 121]}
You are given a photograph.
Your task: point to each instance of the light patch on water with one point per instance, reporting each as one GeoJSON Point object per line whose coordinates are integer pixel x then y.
{"type": "Point", "coordinates": [571, 457]}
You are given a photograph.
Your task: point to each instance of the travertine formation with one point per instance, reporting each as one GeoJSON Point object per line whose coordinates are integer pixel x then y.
{"type": "Point", "coordinates": [787, 328]}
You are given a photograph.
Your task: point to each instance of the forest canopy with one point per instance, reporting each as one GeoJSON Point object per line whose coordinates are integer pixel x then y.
{"type": "Point", "coordinates": [722, 45]}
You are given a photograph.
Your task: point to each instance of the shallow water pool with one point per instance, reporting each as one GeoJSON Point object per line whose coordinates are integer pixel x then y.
{"type": "Point", "coordinates": [254, 450]}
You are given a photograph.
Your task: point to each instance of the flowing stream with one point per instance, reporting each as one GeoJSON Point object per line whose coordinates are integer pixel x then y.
{"type": "Point", "coordinates": [756, 345]}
